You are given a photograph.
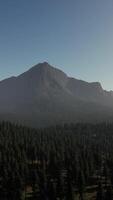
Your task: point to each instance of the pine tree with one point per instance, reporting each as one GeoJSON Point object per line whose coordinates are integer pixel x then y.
{"type": "Point", "coordinates": [109, 193]}
{"type": "Point", "coordinates": [35, 184]}
{"type": "Point", "coordinates": [52, 190]}
{"type": "Point", "coordinates": [69, 194]}
{"type": "Point", "coordinates": [81, 185]}
{"type": "Point", "coordinates": [60, 187]}
{"type": "Point", "coordinates": [69, 191]}
{"type": "Point", "coordinates": [100, 194]}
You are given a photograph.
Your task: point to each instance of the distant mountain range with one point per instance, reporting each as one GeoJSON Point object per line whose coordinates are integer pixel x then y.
{"type": "Point", "coordinates": [44, 96]}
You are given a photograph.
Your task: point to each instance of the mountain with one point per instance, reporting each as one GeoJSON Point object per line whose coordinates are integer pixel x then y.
{"type": "Point", "coordinates": [44, 95]}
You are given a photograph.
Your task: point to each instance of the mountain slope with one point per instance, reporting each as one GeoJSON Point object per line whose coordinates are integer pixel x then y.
{"type": "Point", "coordinates": [45, 95]}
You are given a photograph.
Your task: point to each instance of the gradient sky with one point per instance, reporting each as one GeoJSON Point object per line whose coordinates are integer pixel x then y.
{"type": "Point", "coordinates": [73, 35]}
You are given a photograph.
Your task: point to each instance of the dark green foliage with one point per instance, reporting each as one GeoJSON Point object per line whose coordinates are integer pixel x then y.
{"type": "Point", "coordinates": [109, 193]}
{"type": "Point", "coordinates": [55, 163]}
{"type": "Point", "coordinates": [81, 184]}
{"type": "Point", "coordinates": [100, 193]}
{"type": "Point", "coordinates": [69, 190]}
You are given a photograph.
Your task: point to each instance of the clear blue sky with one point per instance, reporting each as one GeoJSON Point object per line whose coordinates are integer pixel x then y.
{"type": "Point", "coordinates": [74, 35]}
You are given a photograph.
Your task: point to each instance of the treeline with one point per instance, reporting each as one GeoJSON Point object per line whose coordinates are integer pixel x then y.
{"type": "Point", "coordinates": [62, 162]}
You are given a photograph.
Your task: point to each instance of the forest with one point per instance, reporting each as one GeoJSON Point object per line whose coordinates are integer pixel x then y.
{"type": "Point", "coordinates": [64, 162]}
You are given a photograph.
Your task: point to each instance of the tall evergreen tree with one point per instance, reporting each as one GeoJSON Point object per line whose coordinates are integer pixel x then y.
{"type": "Point", "coordinates": [100, 193]}
{"type": "Point", "coordinates": [81, 185]}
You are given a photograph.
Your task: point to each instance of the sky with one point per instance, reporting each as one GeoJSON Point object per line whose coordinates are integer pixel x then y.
{"type": "Point", "coordinates": [73, 35]}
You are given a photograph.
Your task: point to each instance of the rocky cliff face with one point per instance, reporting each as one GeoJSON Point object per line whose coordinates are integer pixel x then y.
{"type": "Point", "coordinates": [45, 95]}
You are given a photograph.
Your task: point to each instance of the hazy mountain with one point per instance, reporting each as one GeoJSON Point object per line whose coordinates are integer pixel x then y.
{"type": "Point", "coordinates": [45, 95]}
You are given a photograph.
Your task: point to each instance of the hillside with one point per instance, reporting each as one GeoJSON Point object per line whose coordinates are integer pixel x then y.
{"type": "Point", "coordinates": [44, 95]}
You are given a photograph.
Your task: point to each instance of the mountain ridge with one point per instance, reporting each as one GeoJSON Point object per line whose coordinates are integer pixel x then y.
{"type": "Point", "coordinates": [45, 95]}
{"type": "Point", "coordinates": [45, 65]}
